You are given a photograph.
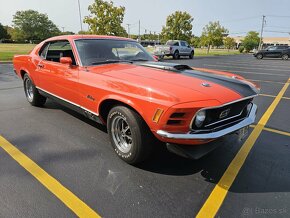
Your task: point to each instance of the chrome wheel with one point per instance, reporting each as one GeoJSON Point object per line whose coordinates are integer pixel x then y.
{"type": "Point", "coordinates": [29, 89]}
{"type": "Point", "coordinates": [121, 134]}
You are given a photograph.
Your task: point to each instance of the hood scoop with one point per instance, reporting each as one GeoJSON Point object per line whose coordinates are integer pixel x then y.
{"type": "Point", "coordinates": [165, 66]}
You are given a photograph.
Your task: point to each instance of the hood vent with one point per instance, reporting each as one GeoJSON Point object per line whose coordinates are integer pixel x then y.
{"type": "Point", "coordinates": [165, 66]}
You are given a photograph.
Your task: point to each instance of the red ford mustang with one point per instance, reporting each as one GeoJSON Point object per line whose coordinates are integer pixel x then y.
{"type": "Point", "coordinates": [114, 81]}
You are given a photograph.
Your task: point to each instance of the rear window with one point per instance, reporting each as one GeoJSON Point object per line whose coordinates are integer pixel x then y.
{"type": "Point", "coordinates": [172, 43]}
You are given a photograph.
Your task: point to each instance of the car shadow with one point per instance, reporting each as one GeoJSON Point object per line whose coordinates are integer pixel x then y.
{"type": "Point", "coordinates": [211, 166]}
{"type": "Point", "coordinates": [164, 162]}
{"type": "Point", "coordinates": [55, 106]}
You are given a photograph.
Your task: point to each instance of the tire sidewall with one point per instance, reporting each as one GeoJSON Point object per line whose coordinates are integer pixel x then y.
{"type": "Point", "coordinates": [176, 55]}
{"type": "Point", "coordinates": [25, 78]}
{"type": "Point", "coordinates": [259, 56]}
{"type": "Point", "coordinates": [132, 154]}
{"type": "Point", "coordinates": [191, 55]}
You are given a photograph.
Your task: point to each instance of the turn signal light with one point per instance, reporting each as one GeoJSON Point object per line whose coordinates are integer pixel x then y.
{"type": "Point", "coordinates": [157, 115]}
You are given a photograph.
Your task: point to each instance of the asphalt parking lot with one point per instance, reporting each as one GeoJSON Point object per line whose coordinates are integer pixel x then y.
{"type": "Point", "coordinates": [59, 164]}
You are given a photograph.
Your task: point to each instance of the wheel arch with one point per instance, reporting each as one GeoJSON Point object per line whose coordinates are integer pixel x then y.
{"type": "Point", "coordinates": [108, 103]}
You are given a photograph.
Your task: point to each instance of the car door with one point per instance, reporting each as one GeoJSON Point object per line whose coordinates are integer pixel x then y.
{"type": "Point", "coordinates": [271, 52]}
{"type": "Point", "coordinates": [187, 49]}
{"type": "Point", "coordinates": [182, 48]}
{"type": "Point", "coordinates": [55, 78]}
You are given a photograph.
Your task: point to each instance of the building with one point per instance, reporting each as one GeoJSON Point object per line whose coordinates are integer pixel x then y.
{"type": "Point", "coordinates": [267, 41]}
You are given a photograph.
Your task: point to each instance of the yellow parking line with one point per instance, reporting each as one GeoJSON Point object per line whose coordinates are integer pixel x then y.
{"type": "Point", "coordinates": [274, 130]}
{"type": "Point", "coordinates": [217, 196]}
{"type": "Point", "coordinates": [61, 192]}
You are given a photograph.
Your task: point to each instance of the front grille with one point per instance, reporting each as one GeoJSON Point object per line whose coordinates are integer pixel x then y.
{"type": "Point", "coordinates": [220, 117]}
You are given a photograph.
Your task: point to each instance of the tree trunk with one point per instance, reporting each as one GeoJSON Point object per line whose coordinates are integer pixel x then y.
{"type": "Point", "coordinates": [208, 47]}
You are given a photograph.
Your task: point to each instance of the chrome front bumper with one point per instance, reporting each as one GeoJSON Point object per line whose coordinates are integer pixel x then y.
{"type": "Point", "coordinates": [213, 135]}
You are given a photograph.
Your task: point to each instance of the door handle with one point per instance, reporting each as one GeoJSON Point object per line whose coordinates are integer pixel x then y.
{"type": "Point", "coordinates": [40, 65]}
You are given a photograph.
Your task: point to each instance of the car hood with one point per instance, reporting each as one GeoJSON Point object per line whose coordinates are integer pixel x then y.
{"type": "Point", "coordinates": [178, 83]}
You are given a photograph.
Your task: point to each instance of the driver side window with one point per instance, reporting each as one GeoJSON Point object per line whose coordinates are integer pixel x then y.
{"type": "Point", "coordinates": [272, 48]}
{"type": "Point", "coordinates": [53, 51]}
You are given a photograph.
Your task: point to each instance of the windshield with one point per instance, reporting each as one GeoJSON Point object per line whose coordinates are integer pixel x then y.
{"type": "Point", "coordinates": [100, 51]}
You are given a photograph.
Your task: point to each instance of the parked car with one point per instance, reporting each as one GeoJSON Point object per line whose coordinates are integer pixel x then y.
{"type": "Point", "coordinates": [115, 82]}
{"type": "Point", "coordinates": [279, 51]}
{"type": "Point", "coordinates": [174, 48]}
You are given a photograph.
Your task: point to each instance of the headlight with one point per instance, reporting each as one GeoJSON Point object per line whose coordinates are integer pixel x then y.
{"type": "Point", "coordinates": [199, 119]}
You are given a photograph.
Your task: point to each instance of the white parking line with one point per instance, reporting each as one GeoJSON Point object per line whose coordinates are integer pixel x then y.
{"type": "Point", "coordinates": [241, 67]}
{"type": "Point", "coordinates": [265, 81]}
{"type": "Point", "coordinates": [248, 72]}
{"type": "Point", "coordinates": [254, 64]}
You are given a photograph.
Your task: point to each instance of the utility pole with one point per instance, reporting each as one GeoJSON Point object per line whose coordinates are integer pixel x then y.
{"type": "Point", "coordinates": [62, 29]}
{"type": "Point", "coordinates": [261, 35]}
{"type": "Point", "coordinates": [80, 14]}
{"type": "Point", "coordinates": [139, 36]}
{"type": "Point", "coordinates": [128, 30]}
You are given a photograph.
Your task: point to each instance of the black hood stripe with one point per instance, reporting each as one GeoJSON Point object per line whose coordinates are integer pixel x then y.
{"type": "Point", "coordinates": [241, 87]}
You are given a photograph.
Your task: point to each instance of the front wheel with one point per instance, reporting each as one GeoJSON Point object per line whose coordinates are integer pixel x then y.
{"type": "Point", "coordinates": [129, 135]}
{"type": "Point", "coordinates": [191, 55]}
{"type": "Point", "coordinates": [285, 57]}
{"type": "Point", "coordinates": [176, 55]}
{"type": "Point", "coordinates": [259, 56]}
{"type": "Point", "coordinates": [31, 92]}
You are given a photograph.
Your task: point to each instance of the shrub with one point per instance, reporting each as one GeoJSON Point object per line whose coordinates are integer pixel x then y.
{"type": "Point", "coordinates": [241, 49]}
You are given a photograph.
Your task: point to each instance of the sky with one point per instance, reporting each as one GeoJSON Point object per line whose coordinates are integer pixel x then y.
{"type": "Point", "coordinates": [238, 16]}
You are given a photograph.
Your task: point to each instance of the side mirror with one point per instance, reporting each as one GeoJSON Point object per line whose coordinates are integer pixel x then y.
{"type": "Point", "coordinates": [188, 46]}
{"type": "Point", "coordinates": [66, 60]}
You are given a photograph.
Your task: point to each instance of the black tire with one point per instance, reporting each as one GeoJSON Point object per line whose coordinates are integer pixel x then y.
{"type": "Point", "coordinates": [191, 55]}
{"type": "Point", "coordinates": [285, 57]}
{"type": "Point", "coordinates": [31, 92]}
{"type": "Point", "coordinates": [140, 145]}
{"type": "Point", "coordinates": [176, 55]}
{"type": "Point", "coordinates": [259, 56]}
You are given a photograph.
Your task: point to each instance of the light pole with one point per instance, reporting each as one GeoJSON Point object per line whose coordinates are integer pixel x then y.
{"type": "Point", "coordinates": [80, 14]}
{"type": "Point", "coordinates": [262, 29]}
{"type": "Point", "coordinates": [128, 30]}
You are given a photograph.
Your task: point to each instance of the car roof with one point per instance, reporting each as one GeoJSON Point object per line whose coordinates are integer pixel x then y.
{"type": "Point", "coordinates": [76, 37]}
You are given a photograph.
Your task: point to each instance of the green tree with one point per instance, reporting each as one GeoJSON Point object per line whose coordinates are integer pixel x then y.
{"type": "Point", "coordinates": [251, 41]}
{"type": "Point", "coordinates": [229, 43]}
{"type": "Point", "coordinates": [83, 32]}
{"type": "Point", "coordinates": [212, 35]}
{"type": "Point", "coordinates": [178, 26]}
{"type": "Point", "coordinates": [68, 33]}
{"type": "Point", "coordinates": [3, 32]}
{"type": "Point", "coordinates": [31, 25]}
{"type": "Point", "coordinates": [106, 19]}
{"type": "Point", "coordinates": [195, 41]}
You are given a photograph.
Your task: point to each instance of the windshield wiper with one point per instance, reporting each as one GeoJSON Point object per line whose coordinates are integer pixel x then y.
{"type": "Point", "coordinates": [109, 61]}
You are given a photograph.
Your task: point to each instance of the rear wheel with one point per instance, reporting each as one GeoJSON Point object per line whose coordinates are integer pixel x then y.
{"type": "Point", "coordinates": [259, 56]}
{"type": "Point", "coordinates": [129, 135]}
{"type": "Point", "coordinates": [285, 57]}
{"type": "Point", "coordinates": [31, 92]}
{"type": "Point", "coordinates": [176, 55]}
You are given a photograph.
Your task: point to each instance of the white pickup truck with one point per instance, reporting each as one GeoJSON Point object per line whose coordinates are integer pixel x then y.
{"type": "Point", "coordinates": [174, 48]}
